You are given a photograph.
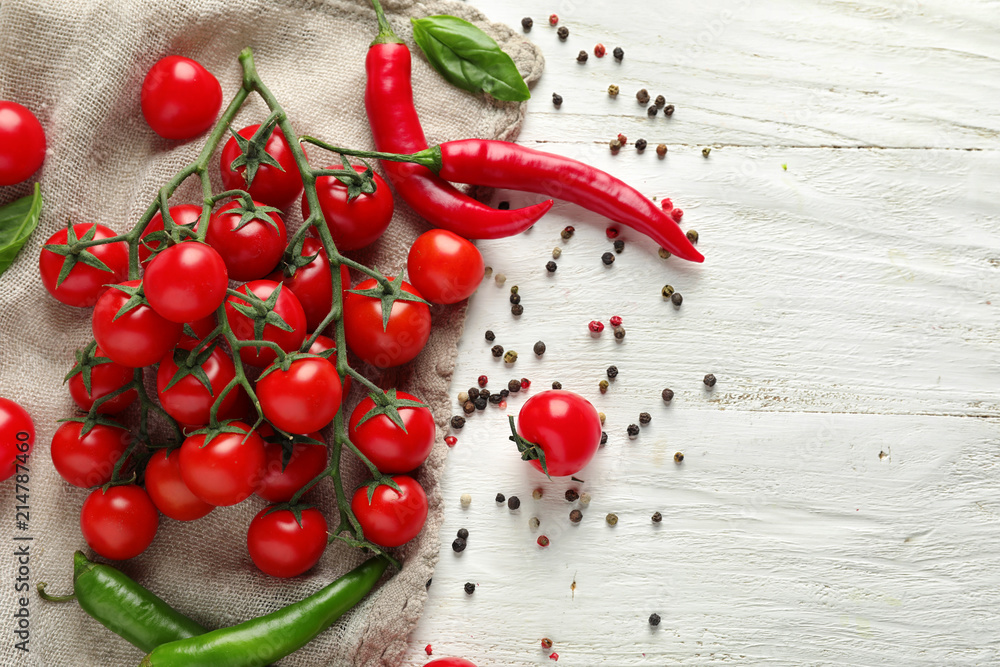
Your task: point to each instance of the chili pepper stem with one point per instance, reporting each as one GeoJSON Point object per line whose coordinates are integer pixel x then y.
{"type": "Point", "coordinates": [385, 32]}
{"type": "Point", "coordinates": [429, 157]}
{"type": "Point", "coordinates": [53, 598]}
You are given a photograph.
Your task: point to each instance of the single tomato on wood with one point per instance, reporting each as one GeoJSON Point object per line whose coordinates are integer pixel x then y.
{"type": "Point", "coordinates": [565, 426]}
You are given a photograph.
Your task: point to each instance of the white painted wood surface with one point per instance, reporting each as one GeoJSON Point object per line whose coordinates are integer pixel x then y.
{"type": "Point", "coordinates": [838, 500]}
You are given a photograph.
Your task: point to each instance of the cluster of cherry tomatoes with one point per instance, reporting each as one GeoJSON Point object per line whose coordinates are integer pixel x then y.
{"type": "Point", "coordinates": [170, 319]}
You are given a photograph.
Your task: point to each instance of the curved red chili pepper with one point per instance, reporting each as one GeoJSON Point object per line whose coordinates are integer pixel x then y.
{"type": "Point", "coordinates": [396, 129]}
{"type": "Point", "coordinates": [502, 164]}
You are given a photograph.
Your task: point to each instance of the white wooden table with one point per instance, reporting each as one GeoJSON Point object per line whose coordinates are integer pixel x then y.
{"type": "Point", "coordinates": [839, 500]}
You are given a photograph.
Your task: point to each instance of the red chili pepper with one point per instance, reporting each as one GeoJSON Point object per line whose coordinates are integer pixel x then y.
{"type": "Point", "coordinates": [396, 129]}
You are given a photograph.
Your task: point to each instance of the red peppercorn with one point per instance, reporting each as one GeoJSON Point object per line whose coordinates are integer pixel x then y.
{"type": "Point", "coordinates": [428, 649]}
{"type": "Point", "coordinates": [450, 440]}
{"type": "Point", "coordinates": [616, 321]}
{"type": "Point", "coordinates": [611, 232]}
{"type": "Point", "coordinates": [554, 19]}
{"type": "Point", "coordinates": [502, 405]}
{"type": "Point", "coordinates": [677, 214]}
{"type": "Point", "coordinates": [525, 383]}
{"type": "Point", "coordinates": [483, 380]}
{"type": "Point", "coordinates": [599, 51]}
{"type": "Point", "coordinates": [666, 204]}
{"type": "Point", "coordinates": [554, 656]}
{"type": "Point", "coordinates": [622, 138]}
{"type": "Point", "coordinates": [543, 541]}
{"type": "Point", "coordinates": [596, 327]}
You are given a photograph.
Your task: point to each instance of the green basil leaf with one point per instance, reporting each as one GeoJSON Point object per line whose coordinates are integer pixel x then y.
{"type": "Point", "coordinates": [469, 58]}
{"type": "Point", "coordinates": [17, 220]}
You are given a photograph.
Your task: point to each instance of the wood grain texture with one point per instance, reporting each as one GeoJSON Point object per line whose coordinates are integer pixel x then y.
{"type": "Point", "coordinates": [837, 500]}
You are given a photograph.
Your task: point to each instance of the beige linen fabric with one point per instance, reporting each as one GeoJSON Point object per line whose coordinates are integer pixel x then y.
{"type": "Point", "coordinates": [79, 65]}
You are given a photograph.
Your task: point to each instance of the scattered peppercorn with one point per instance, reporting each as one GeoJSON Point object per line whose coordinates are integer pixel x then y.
{"type": "Point", "coordinates": [612, 519]}
{"type": "Point", "coordinates": [615, 146]}
{"type": "Point", "coordinates": [458, 546]}
{"type": "Point", "coordinates": [692, 236]}
{"type": "Point", "coordinates": [537, 494]}
{"type": "Point", "coordinates": [470, 588]}
{"type": "Point", "coordinates": [678, 457]}
{"type": "Point", "coordinates": [551, 266]}
{"type": "Point", "coordinates": [553, 19]}
{"type": "Point", "coordinates": [608, 258]}
{"type": "Point", "coordinates": [557, 385]}
{"type": "Point", "coordinates": [563, 33]}
{"type": "Point", "coordinates": [514, 289]}
{"type": "Point", "coordinates": [677, 214]}
{"type": "Point", "coordinates": [484, 393]}
{"type": "Point", "coordinates": [469, 407]}
{"type": "Point", "coordinates": [504, 393]}
{"type": "Point", "coordinates": [568, 232]}
{"type": "Point", "coordinates": [515, 298]}
{"type": "Point", "coordinates": [582, 57]}
{"type": "Point", "coordinates": [618, 53]}
{"type": "Point", "coordinates": [604, 438]}
{"type": "Point", "coordinates": [490, 336]}
{"type": "Point", "coordinates": [633, 430]}
{"type": "Point", "coordinates": [546, 643]}
{"type": "Point", "coordinates": [603, 386]}
{"type": "Point", "coordinates": [474, 391]}
{"type": "Point", "coordinates": [463, 533]}
{"type": "Point", "coordinates": [667, 291]}
{"type": "Point", "coordinates": [502, 405]}
{"type": "Point", "coordinates": [612, 371]}
{"type": "Point", "coordinates": [514, 386]}
{"type": "Point", "coordinates": [504, 205]}
{"type": "Point", "coordinates": [539, 348]}
{"type": "Point", "coordinates": [602, 417]}
{"type": "Point", "coordinates": [497, 350]}
{"type": "Point", "coordinates": [676, 299]}
{"type": "Point", "coordinates": [501, 498]}
{"type": "Point", "coordinates": [613, 90]}
{"type": "Point", "coordinates": [450, 440]}
{"type": "Point", "coordinates": [525, 383]}
{"type": "Point", "coordinates": [612, 232]}
{"type": "Point", "coordinates": [645, 418]}
{"type": "Point", "coordinates": [709, 380]}
{"type": "Point", "coordinates": [667, 395]}
{"type": "Point", "coordinates": [526, 23]}
{"type": "Point", "coordinates": [543, 541]}
{"type": "Point", "coordinates": [457, 422]}
{"type": "Point", "coordinates": [640, 145]}
{"type": "Point", "coordinates": [664, 253]}
{"type": "Point", "coordinates": [557, 100]}
{"type": "Point", "coordinates": [657, 517]}
{"type": "Point", "coordinates": [705, 151]}
{"type": "Point", "coordinates": [429, 649]}
{"type": "Point", "coordinates": [496, 398]}
{"type": "Point", "coordinates": [599, 51]}
{"type": "Point", "coordinates": [652, 111]}
{"type": "Point", "coordinates": [466, 500]}
{"type": "Point", "coordinates": [463, 397]}
{"type": "Point", "coordinates": [668, 110]}
{"type": "Point", "coordinates": [510, 357]}
{"type": "Point", "coordinates": [654, 619]}
{"type": "Point", "coordinates": [595, 326]}
{"type": "Point", "coordinates": [533, 523]}
{"type": "Point", "coordinates": [517, 310]}
{"type": "Point", "coordinates": [556, 252]}
{"type": "Point", "coordinates": [488, 271]}
{"type": "Point", "coordinates": [513, 503]}
{"type": "Point", "coordinates": [660, 101]}
{"type": "Point", "coordinates": [666, 204]}
{"type": "Point", "coordinates": [622, 138]}
{"type": "Point", "coordinates": [572, 495]}
{"type": "Point", "coordinates": [480, 403]}
{"type": "Point", "coordinates": [576, 516]}
{"type": "Point", "coordinates": [661, 150]}
{"type": "Point", "coordinates": [642, 96]}
{"type": "Point", "coordinates": [619, 333]}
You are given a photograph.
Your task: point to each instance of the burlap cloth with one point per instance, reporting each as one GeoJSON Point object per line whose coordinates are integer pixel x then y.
{"type": "Point", "coordinates": [79, 65]}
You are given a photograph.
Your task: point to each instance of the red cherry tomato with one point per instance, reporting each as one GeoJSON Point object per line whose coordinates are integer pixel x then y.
{"type": "Point", "coordinates": [304, 398]}
{"type": "Point", "coordinates": [188, 400]}
{"type": "Point", "coordinates": [88, 460]}
{"type": "Point", "coordinates": [392, 518]}
{"type": "Point", "coordinates": [119, 523]}
{"type": "Point", "coordinates": [565, 425]}
{"type": "Point", "coordinates": [392, 449]}
{"type": "Point", "coordinates": [445, 267]}
{"type": "Point", "coordinates": [321, 345]}
{"type": "Point", "coordinates": [450, 662]}
{"type": "Point", "coordinates": [168, 491]}
{"type": "Point", "coordinates": [282, 547]}
{"type": "Point", "coordinates": [287, 307]}
{"type": "Point", "coordinates": [85, 283]}
{"type": "Point", "coordinates": [22, 143]}
{"type": "Point", "coordinates": [186, 282]}
{"type": "Point", "coordinates": [271, 185]}
{"type": "Point", "coordinates": [138, 338]}
{"type": "Point", "coordinates": [311, 283]}
{"type": "Point", "coordinates": [307, 461]}
{"type": "Point", "coordinates": [17, 437]}
{"type": "Point", "coordinates": [185, 214]}
{"type": "Point", "coordinates": [401, 341]}
{"type": "Point", "coordinates": [357, 223]}
{"type": "Point", "coordinates": [180, 99]}
{"type": "Point", "coordinates": [251, 251]}
{"type": "Point", "coordinates": [227, 470]}
{"type": "Point", "coordinates": [105, 378]}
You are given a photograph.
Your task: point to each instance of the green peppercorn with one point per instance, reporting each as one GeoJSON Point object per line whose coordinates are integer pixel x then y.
{"type": "Point", "coordinates": [576, 516]}
{"type": "Point", "coordinates": [619, 333]}
{"type": "Point", "coordinates": [661, 150]}
{"type": "Point", "coordinates": [517, 310]}
{"type": "Point", "coordinates": [513, 503]}
{"type": "Point", "coordinates": [457, 422]}
{"type": "Point", "coordinates": [469, 407]}
{"type": "Point", "coordinates": [470, 588]}
{"type": "Point", "coordinates": [557, 100]}
{"type": "Point", "coordinates": [557, 385]}
{"type": "Point", "coordinates": [500, 498]}
{"type": "Point", "coordinates": [618, 53]}
{"type": "Point", "coordinates": [563, 32]}
{"type": "Point", "coordinates": [510, 357]}
{"type": "Point", "coordinates": [678, 457]}
{"type": "Point", "coordinates": [654, 619]}
{"type": "Point", "coordinates": [676, 299]}
{"type": "Point", "coordinates": [612, 372]}
{"type": "Point", "coordinates": [613, 90]}
{"type": "Point", "coordinates": [640, 145]}
{"type": "Point", "coordinates": [556, 252]}
{"type": "Point", "coordinates": [480, 403]}
{"type": "Point", "coordinates": [692, 236]}
{"type": "Point", "coordinates": [526, 23]}
{"type": "Point", "coordinates": [514, 289]}
{"type": "Point", "coordinates": [608, 259]}
{"type": "Point", "coordinates": [709, 380]}
{"type": "Point", "coordinates": [652, 110]}
{"type": "Point", "coordinates": [550, 266]}
{"type": "Point", "coordinates": [603, 385]}
{"type": "Point", "coordinates": [539, 348]}
{"type": "Point", "coordinates": [642, 96]}
{"type": "Point", "coordinates": [604, 438]}
{"type": "Point", "coordinates": [619, 245]}
{"type": "Point", "coordinates": [645, 418]}
{"type": "Point", "coordinates": [568, 232]}
{"type": "Point", "coordinates": [667, 395]}
{"type": "Point", "coordinates": [657, 517]}
{"type": "Point", "coordinates": [705, 151]}
{"type": "Point", "coordinates": [612, 519]}
{"type": "Point", "coordinates": [664, 253]}
{"type": "Point", "coordinates": [668, 110]}
{"type": "Point", "coordinates": [490, 336]}
{"type": "Point", "coordinates": [602, 417]}
{"type": "Point", "coordinates": [572, 495]}
{"type": "Point", "coordinates": [497, 350]}
{"type": "Point", "coordinates": [667, 291]}
{"type": "Point", "coordinates": [633, 430]}
{"type": "Point", "coordinates": [514, 386]}
{"type": "Point", "coordinates": [515, 298]}
{"type": "Point", "coordinates": [582, 57]}
{"type": "Point", "coordinates": [615, 146]}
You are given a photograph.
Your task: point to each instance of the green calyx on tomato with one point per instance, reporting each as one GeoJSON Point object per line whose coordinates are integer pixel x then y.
{"type": "Point", "coordinates": [191, 362]}
{"type": "Point", "coordinates": [253, 151]}
{"type": "Point", "coordinates": [227, 426]}
{"type": "Point", "coordinates": [86, 360]}
{"type": "Point", "coordinates": [389, 293]}
{"type": "Point", "coordinates": [75, 250]}
{"type": "Point", "coordinates": [388, 404]}
{"type": "Point", "coordinates": [530, 451]}
{"type": "Point", "coordinates": [358, 182]}
{"type": "Point", "coordinates": [287, 441]}
{"type": "Point", "coordinates": [261, 311]}
{"type": "Point", "coordinates": [249, 210]}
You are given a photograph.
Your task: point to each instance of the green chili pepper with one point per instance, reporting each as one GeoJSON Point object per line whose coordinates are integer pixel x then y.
{"type": "Point", "coordinates": [262, 640]}
{"type": "Point", "coordinates": [125, 607]}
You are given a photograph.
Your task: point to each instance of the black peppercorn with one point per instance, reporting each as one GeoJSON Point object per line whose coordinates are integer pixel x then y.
{"type": "Point", "coordinates": [563, 32]}
{"type": "Point", "coordinates": [517, 309]}
{"type": "Point", "coordinates": [501, 498]}
{"type": "Point", "coordinates": [608, 258]}
{"type": "Point", "coordinates": [640, 145]}
{"type": "Point", "coordinates": [526, 23]}
{"type": "Point", "coordinates": [514, 386]}
{"type": "Point", "coordinates": [667, 395]}
{"type": "Point", "coordinates": [497, 350]}
{"type": "Point", "coordinates": [469, 407]}
{"type": "Point", "coordinates": [496, 398]}
{"type": "Point", "coordinates": [657, 517]}
{"type": "Point", "coordinates": [480, 403]}
{"type": "Point", "coordinates": [619, 333]}
{"type": "Point", "coordinates": [612, 372]}
{"type": "Point", "coordinates": [668, 110]}
{"type": "Point", "coordinates": [572, 495]}
{"type": "Point", "coordinates": [513, 503]}
{"type": "Point", "coordinates": [633, 430]}
{"type": "Point", "coordinates": [505, 393]}
{"type": "Point", "coordinates": [484, 393]}
{"type": "Point", "coordinates": [645, 418]}
{"type": "Point", "coordinates": [470, 588]}
{"type": "Point", "coordinates": [660, 101]}
{"type": "Point", "coordinates": [642, 96]}
{"type": "Point", "coordinates": [676, 298]}
{"type": "Point", "coordinates": [505, 205]}
{"type": "Point", "coordinates": [619, 245]}
{"type": "Point", "coordinates": [473, 393]}
{"type": "Point", "coordinates": [556, 99]}
{"type": "Point", "coordinates": [458, 546]}
{"type": "Point", "coordinates": [661, 150]}
{"type": "Point", "coordinates": [618, 53]}
{"type": "Point", "coordinates": [539, 348]}
{"type": "Point", "coordinates": [515, 298]}
{"type": "Point", "coordinates": [654, 619]}
{"type": "Point", "coordinates": [652, 110]}
{"type": "Point", "coordinates": [604, 438]}
{"type": "Point", "coordinates": [582, 57]}
{"type": "Point", "coordinates": [576, 516]}
{"type": "Point", "coordinates": [709, 380]}
{"type": "Point", "coordinates": [457, 422]}
{"type": "Point", "coordinates": [463, 533]}
{"type": "Point", "coordinates": [557, 385]}
{"type": "Point", "coordinates": [550, 266]}
{"type": "Point", "coordinates": [490, 336]}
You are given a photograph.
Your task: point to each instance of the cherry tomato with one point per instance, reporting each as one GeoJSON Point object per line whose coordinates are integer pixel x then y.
{"type": "Point", "coordinates": [251, 251]}
{"type": "Point", "coordinates": [565, 425]}
{"type": "Point", "coordinates": [201, 329]}
{"type": "Point", "coordinates": [287, 307]}
{"type": "Point", "coordinates": [304, 398]}
{"type": "Point", "coordinates": [119, 523]}
{"type": "Point", "coordinates": [168, 491]}
{"type": "Point", "coordinates": [17, 436]}
{"type": "Point", "coordinates": [138, 338]}
{"type": "Point", "coordinates": [105, 379]}
{"type": "Point", "coordinates": [307, 461]}
{"type": "Point", "coordinates": [186, 282]}
{"type": "Point", "coordinates": [282, 547]}
{"type": "Point", "coordinates": [22, 143]}
{"type": "Point", "coordinates": [311, 283]}
{"type": "Point", "coordinates": [185, 214]}
{"type": "Point", "coordinates": [85, 283]}
{"type": "Point", "coordinates": [88, 460]}
{"type": "Point", "coordinates": [392, 518]}
{"type": "Point", "coordinates": [180, 99]}
{"type": "Point", "coordinates": [401, 341]}
{"type": "Point", "coordinates": [357, 223]}
{"type": "Point", "coordinates": [271, 185]}
{"type": "Point", "coordinates": [321, 345]}
{"type": "Point", "coordinates": [227, 470]}
{"type": "Point", "coordinates": [445, 267]}
{"type": "Point", "coordinates": [189, 401]}
{"type": "Point", "coordinates": [392, 449]}
{"type": "Point", "coordinates": [450, 662]}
